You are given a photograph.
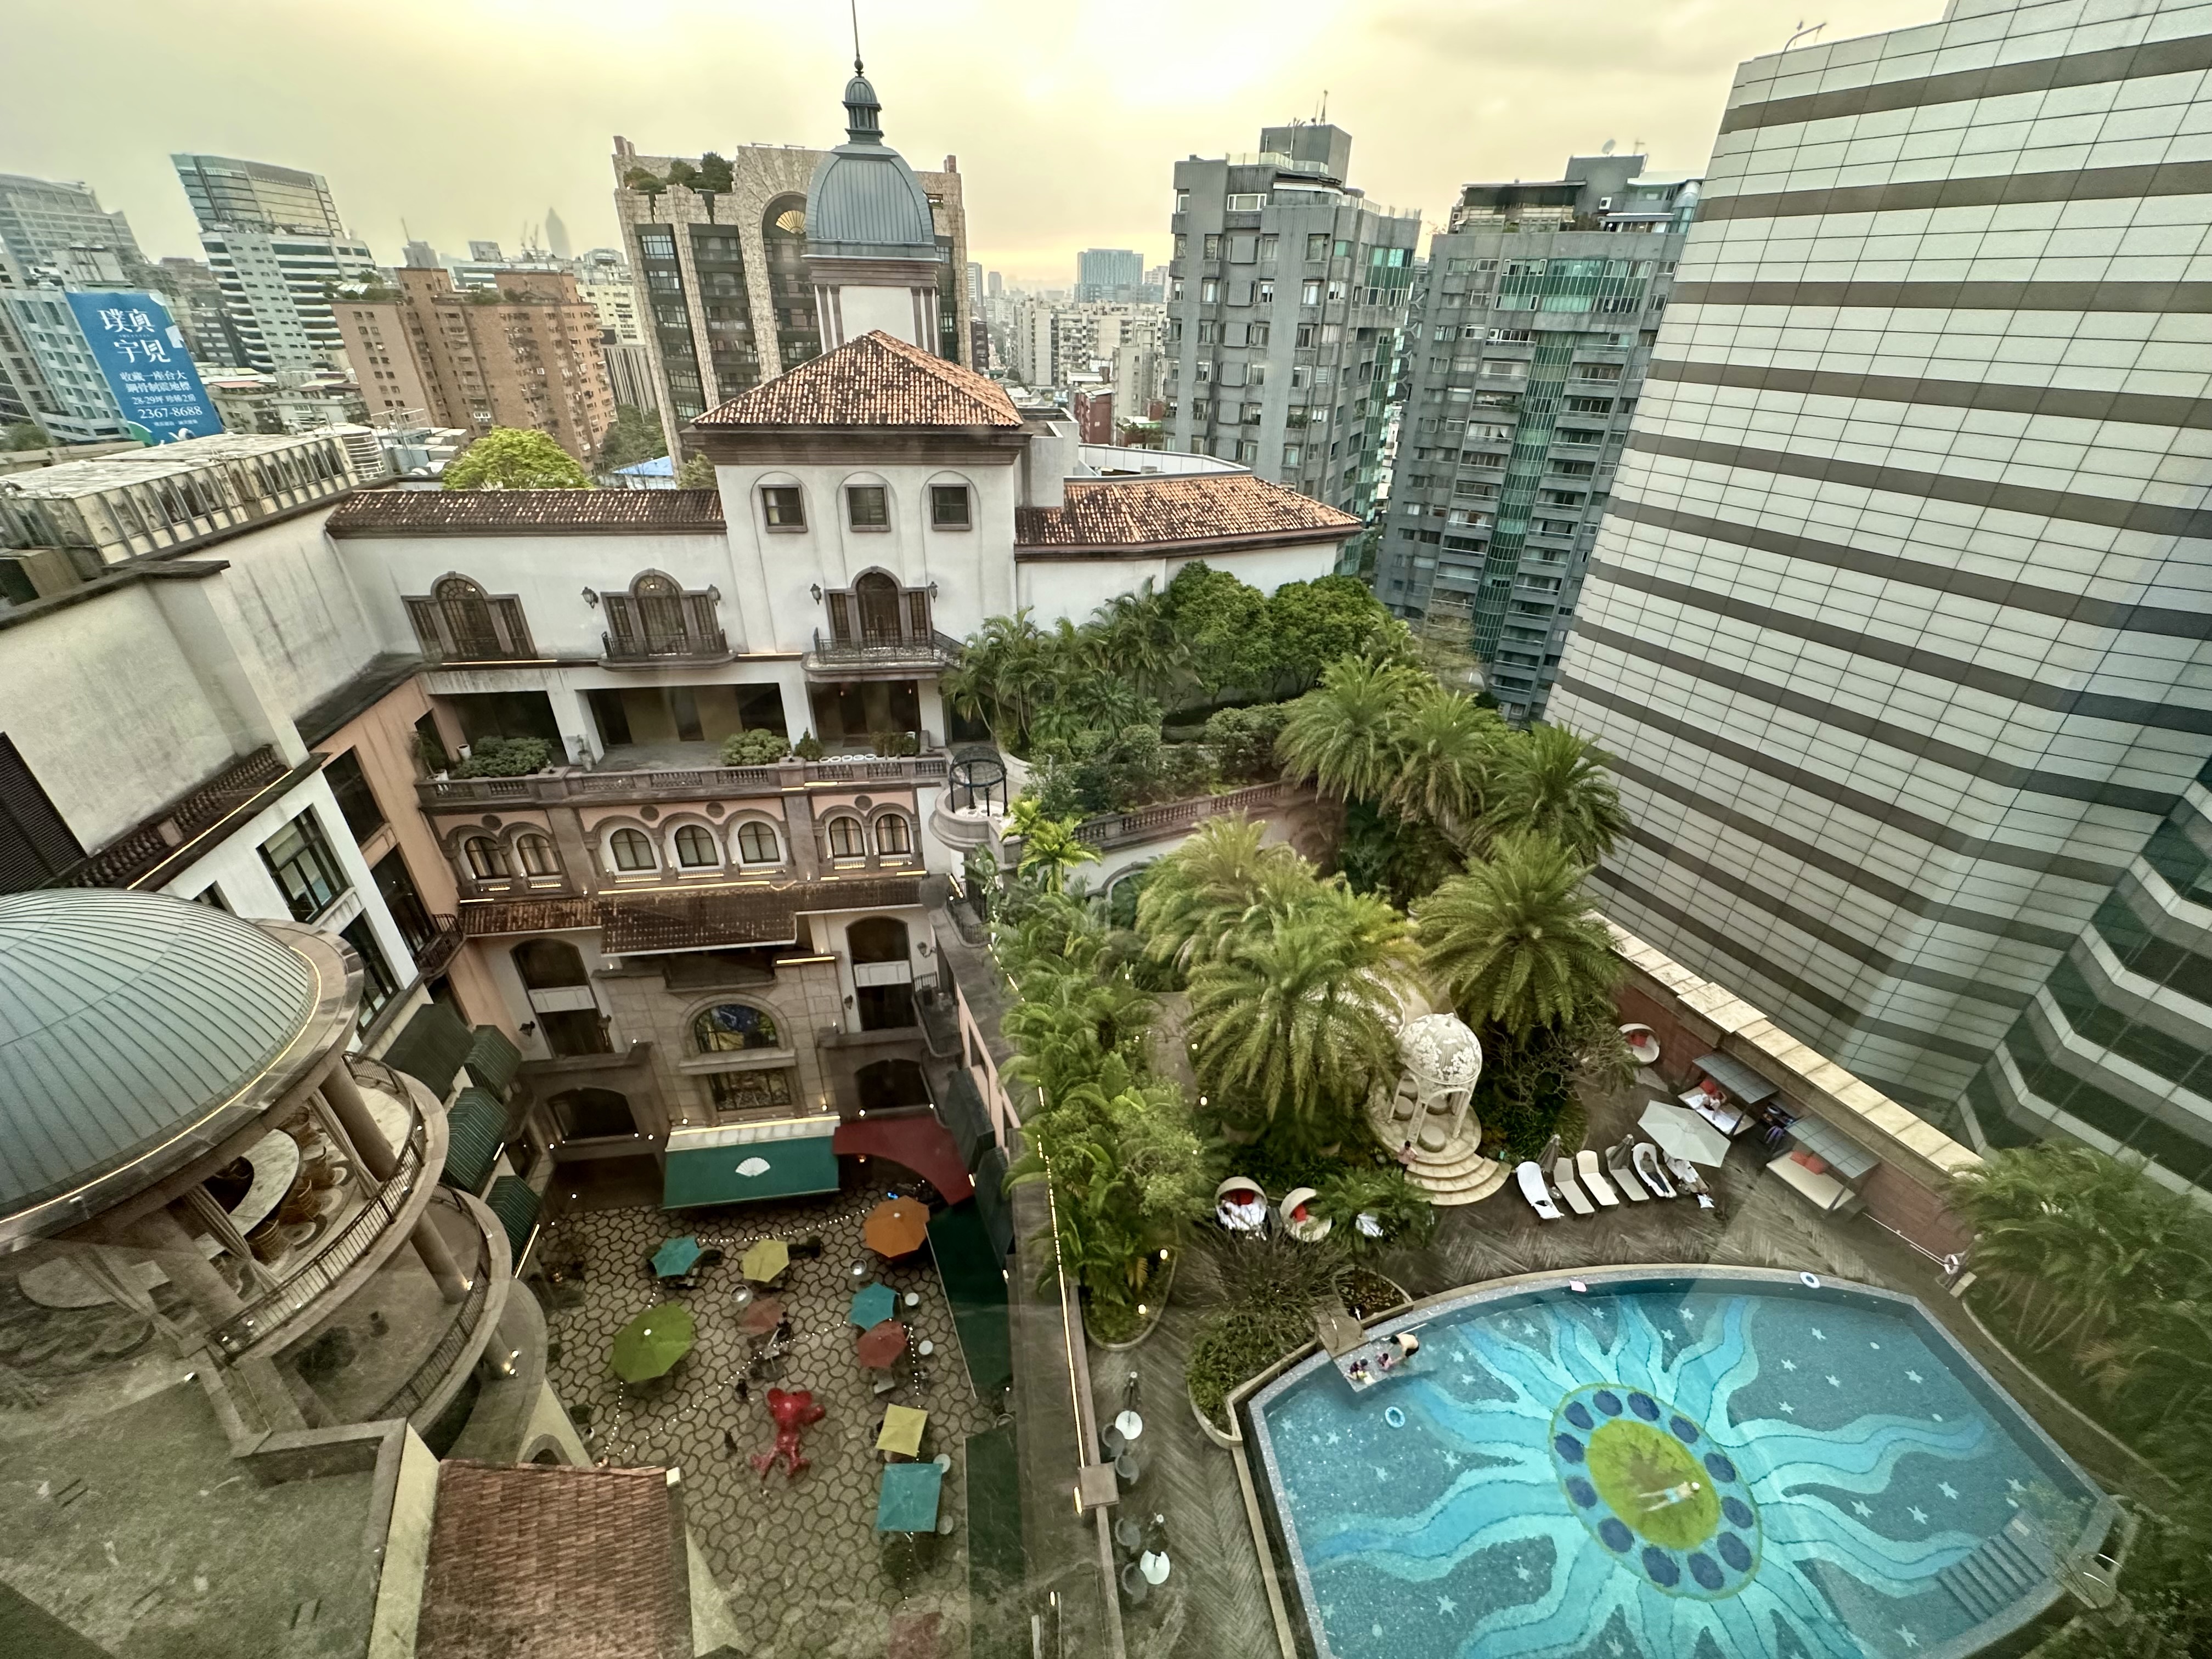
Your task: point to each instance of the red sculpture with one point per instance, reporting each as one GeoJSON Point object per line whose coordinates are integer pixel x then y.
{"type": "Point", "coordinates": [792, 1411]}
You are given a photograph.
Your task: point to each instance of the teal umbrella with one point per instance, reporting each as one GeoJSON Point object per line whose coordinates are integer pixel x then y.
{"type": "Point", "coordinates": [908, 1502]}
{"type": "Point", "coordinates": [652, 1342]}
{"type": "Point", "coordinates": [874, 1305]}
{"type": "Point", "coordinates": [677, 1255]}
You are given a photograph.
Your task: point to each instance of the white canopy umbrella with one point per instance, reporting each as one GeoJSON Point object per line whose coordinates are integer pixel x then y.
{"type": "Point", "coordinates": [1682, 1133]}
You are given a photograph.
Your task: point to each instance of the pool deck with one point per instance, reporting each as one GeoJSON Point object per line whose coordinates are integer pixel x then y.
{"type": "Point", "coordinates": [1216, 1602]}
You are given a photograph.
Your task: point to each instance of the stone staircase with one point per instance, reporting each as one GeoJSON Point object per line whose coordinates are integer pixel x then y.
{"type": "Point", "coordinates": [2015, 1565]}
{"type": "Point", "coordinates": [1448, 1167]}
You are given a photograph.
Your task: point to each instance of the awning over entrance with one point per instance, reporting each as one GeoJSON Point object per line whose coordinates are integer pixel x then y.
{"type": "Point", "coordinates": [779, 1157]}
{"type": "Point", "coordinates": [916, 1140]}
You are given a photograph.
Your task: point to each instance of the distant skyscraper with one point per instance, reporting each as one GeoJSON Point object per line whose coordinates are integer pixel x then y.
{"type": "Point", "coordinates": [1534, 328]}
{"type": "Point", "coordinates": [1286, 295]}
{"type": "Point", "coordinates": [1895, 636]}
{"type": "Point", "coordinates": [39, 217]}
{"type": "Point", "coordinates": [974, 286]}
{"type": "Point", "coordinates": [276, 243]}
{"type": "Point", "coordinates": [1108, 273]}
{"type": "Point", "coordinates": [996, 284]}
{"type": "Point", "coordinates": [556, 237]}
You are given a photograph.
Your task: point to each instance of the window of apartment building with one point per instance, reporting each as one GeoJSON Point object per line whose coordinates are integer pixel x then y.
{"type": "Point", "coordinates": [1309, 294]}
{"type": "Point", "coordinates": [305, 870]}
{"type": "Point", "coordinates": [538, 857]}
{"type": "Point", "coordinates": [1248, 202]}
{"type": "Point", "coordinates": [781, 506]}
{"type": "Point", "coordinates": [487, 859]}
{"type": "Point", "coordinates": [1248, 452]}
{"type": "Point", "coordinates": [1504, 368]}
{"type": "Point", "coordinates": [1267, 246]}
{"type": "Point", "coordinates": [1317, 246]}
{"type": "Point", "coordinates": [695, 849]}
{"type": "Point", "coordinates": [1209, 293]}
{"type": "Point", "coordinates": [1260, 331]}
{"type": "Point", "coordinates": [948, 507]}
{"type": "Point", "coordinates": [657, 244]}
{"type": "Point", "coordinates": [1183, 201]}
{"type": "Point", "coordinates": [846, 841]}
{"type": "Point", "coordinates": [1209, 333]}
{"type": "Point", "coordinates": [1589, 405]}
{"type": "Point", "coordinates": [1213, 247]}
{"type": "Point", "coordinates": [631, 850]}
{"type": "Point", "coordinates": [756, 843]}
{"type": "Point", "coordinates": [893, 839]}
{"type": "Point", "coordinates": [1263, 292]}
{"type": "Point", "coordinates": [1597, 371]}
{"type": "Point", "coordinates": [1204, 370]}
{"type": "Point", "coordinates": [1291, 454]}
{"type": "Point", "coordinates": [379, 983]}
{"type": "Point", "coordinates": [1335, 292]}
{"type": "Point", "coordinates": [1255, 374]}
{"type": "Point", "coordinates": [1180, 242]}
{"type": "Point", "coordinates": [867, 506]}
{"type": "Point", "coordinates": [1198, 409]}
{"type": "Point", "coordinates": [356, 801]}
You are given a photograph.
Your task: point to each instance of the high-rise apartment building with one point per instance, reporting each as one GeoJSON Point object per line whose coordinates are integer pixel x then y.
{"type": "Point", "coordinates": [1286, 295]}
{"type": "Point", "coordinates": [1896, 630]}
{"type": "Point", "coordinates": [39, 217]}
{"type": "Point", "coordinates": [556, 236]}
{"type": "Point", "coordinates": [1109, 273]}
{"type": "Point", "coordinates": [996, 283]}
{"type": "Point", "coordinates": [195, 301]}
{"type": "Point", "coordinates": [1532, 328]}
{"type": "Point", "coordinates": [528, 357]}
{"type": "Point", "coordinates": [276, 245]}
{"type": "Point", "coordinates": [723, 274]}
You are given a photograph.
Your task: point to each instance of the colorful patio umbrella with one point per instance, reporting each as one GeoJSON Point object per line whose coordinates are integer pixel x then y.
{"type": "Point", "coordinates": [652, 1342]}
{"type": "Point", "coordinates": [896, 1227]}
{"type": "Point", "coordinates": [761, 1314]}
{"type": "Point", "coordinates": [908, 1502]}
{"type": "Point", "coordinates": [880, 1345]}
{"type": "Point", "coordinates": [902, 1429]}
{"type": "Point", "coordinates": [677, 1255]}
{"type": "Point", "coordinates": [765, 1260]}
{"type": "Point", "coordinates": [874, 1305]}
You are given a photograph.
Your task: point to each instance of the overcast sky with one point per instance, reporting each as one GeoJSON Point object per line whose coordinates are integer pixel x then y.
{"type": "Point", "coordinates": [470, 118]}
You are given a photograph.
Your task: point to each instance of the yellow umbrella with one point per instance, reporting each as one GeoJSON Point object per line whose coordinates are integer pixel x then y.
{"type": "Point", "coordinates": [902, 1427]}
{"type": "Point", "coordinates": [765, 1260]}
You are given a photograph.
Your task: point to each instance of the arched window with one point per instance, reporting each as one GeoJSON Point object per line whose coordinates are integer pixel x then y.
{"type": "Point", "coordinates": [695, 848]}
{"type": "Point", "coordinates": [659, 604]}
{"type": "Point", "coordinates": [487, 859]}
{"type": "Point", "coordinates": [632, 850]}
{"type": "Point", "coordinates": [845, 840]}
{"type": "Point", "coordinates": [756, 843]}
{"type": "Point", "coordinates": [537, 858]}
{"type": "Point", "coordinates": [467, 616]}
{"type": "Point", "coordinates": [730, 1028]}
{"type": "Point", "coordinates": [877, 938]}
{"type": "Point", "coordinates": [877, 597]}
{"type": "Point", "coordinates": [892, 836]}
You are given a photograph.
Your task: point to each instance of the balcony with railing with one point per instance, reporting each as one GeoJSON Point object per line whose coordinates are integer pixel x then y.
{"type": "Point", "coordinates": [654, 783]}
{"type": "Point", "coordinates": [657, 622]}
{"type": "Point", "coordinates": [876, 626]}
{"type": "Point", "coordinates": [241, 789]}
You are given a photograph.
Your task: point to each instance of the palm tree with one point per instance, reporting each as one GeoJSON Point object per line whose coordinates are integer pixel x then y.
{"type": "Point", "coordinates": [1445, 746]}
{"type": "Point", "coordinates": [1136, 640]}
{"type": "Point", "coordinates": [1513, 940]}
{"type": "Point", "coordinates": [1296, 1016]}
{"type": "Point", "coordinates": [1548, 781]}
{"type": "Point", "coordinates": [1198, 893]}
{"type": "Point", "coordinates": [1050, 848]}
{"type": "Point", "coordinates": [1002, 667]}
{"type": "Point", "coordinates": [1342, 734]}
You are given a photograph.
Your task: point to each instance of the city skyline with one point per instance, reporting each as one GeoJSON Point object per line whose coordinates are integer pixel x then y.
{"type": "Point", "coordinates": [1658, 74]}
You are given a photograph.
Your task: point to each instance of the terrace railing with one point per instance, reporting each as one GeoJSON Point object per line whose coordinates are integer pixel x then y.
{"type": "Point", "coordinates": [437, 1366]}
{"type": "Point", "coordinates": [1174, 816]}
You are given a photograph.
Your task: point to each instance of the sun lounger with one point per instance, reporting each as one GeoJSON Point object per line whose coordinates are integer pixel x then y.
{"type": "Point", "coordinates": [1593, 1181]}
{"type": "Point", "coordinates": [1563, 1177]}
{"type": "Point", "coordinates": [1616, 1165]}
{"type": "Point", "coordinates": [1531, 1189]}
{"type": "Point", "coordinates": [1646, 1157]}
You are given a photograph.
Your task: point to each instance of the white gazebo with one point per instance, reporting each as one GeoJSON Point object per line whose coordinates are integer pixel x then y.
{"type": "Point", "coordinates": [1442, 1060]}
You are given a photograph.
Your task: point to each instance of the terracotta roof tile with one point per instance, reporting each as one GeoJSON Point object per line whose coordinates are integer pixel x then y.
{"type": "Point", "coordinates": [1117, 513]}
{"type": "Point", "coordinates": [875, 380]}
{"type": "Point", "coordinates": [557, 1562]}
{"type": "Point", "coordinates": [641, 923]}
{"type": "Point", "coordinates": [525, 512]}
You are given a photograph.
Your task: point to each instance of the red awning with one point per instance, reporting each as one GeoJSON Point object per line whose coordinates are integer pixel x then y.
{"type": "Point", "coordinates": [917, 1140]}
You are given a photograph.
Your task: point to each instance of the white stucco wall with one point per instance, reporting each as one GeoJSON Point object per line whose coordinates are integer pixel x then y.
{"type": "Point", "coordinates": [1056, 587]}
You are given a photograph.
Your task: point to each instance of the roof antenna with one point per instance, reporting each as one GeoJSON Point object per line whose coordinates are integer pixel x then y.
{"type": "Point", "coordinates": [1324, 104]}
{"type": "Point", "coordinates": [856, 37]}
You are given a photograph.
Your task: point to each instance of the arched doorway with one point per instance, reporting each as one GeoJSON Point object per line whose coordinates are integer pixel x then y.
{"type": "Point", "coordinates": [883, 973]}
{"type": "Point", "coordinates": [467, 616]}
{"type": "Point", "coordinates": [559, 987]}
{"type": "Point", "coordinates": [877, 597]}
{"type": "Point", "coordinates": [591, 1114]}
{"type": "Point", "coordinates": [886, 1083]}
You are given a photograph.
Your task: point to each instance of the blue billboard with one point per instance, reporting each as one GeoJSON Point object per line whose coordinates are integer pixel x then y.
{"type": "Point", "coordinates": [141, 354]}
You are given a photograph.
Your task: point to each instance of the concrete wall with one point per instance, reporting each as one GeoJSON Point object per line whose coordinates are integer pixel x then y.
{"type": "Point", "coordinates": [1056, 587]}
{"type": "Point", "coordinates": [296, 610]}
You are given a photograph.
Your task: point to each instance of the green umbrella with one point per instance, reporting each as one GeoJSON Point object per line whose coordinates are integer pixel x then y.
{"type": "Point", "coordinates": [677, 1255]}
{"type": "Point", "coordinates": [652, 1342]}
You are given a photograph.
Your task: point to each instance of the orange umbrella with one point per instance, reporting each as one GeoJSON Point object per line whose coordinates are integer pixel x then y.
{"type": "Point", "coordinates": [895, 1227]}
{"type": "Point", "coordinates": [880, 1345]}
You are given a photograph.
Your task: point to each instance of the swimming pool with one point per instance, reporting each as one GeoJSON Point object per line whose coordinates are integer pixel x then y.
{"type": "Point", "coordinates": [1739, 1463]}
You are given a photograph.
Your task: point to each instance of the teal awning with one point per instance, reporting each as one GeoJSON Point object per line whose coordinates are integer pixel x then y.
{"type": "Point", "coordinates": [493, 1060]}
{"type": "Point", "coordinates": [475, 1130]}
{"type": "Point", "coordinates": [702, 1167]}
{"type": "Point", "coordinates": [516, 1204]}
{"type": "Point", "coordinates": [431, 1047]}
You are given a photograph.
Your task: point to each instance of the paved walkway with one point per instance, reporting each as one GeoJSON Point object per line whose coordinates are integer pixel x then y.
{"type": "Point", "coordinates": [799, 1561]}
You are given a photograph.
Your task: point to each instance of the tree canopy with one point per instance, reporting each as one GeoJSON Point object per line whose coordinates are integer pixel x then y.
{"type": "Point", "coordinates": [1512, 941]}
{"type": "Point", "coordinates": [635, 436]}
{"type": "Point", "coordinates": [512, 458]}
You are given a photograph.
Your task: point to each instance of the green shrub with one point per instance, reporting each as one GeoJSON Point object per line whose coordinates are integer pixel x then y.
{"type": "Point", "coordinates": [808, 748]}
{"type": "Point", "coordinates": [1243, 740]}
{"type": "Point", "coordinates": [1401, 1211]}
{"type": "Point", "coordinates": [761, 747]}
{"type": "Point", "coordinates": [505, 757]}
{"type": "Point", "coordinates": [1235, 1343]}
{"type": "Point", "coordinates": [894, 744]}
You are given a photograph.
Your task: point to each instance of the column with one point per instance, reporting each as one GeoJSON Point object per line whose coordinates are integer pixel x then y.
{"type": "Point", "coordinates": [343, 1097]}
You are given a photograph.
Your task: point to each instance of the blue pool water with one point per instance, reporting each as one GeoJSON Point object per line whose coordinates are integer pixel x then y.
{"type": "Point", "coordinates": [1728, 1467]}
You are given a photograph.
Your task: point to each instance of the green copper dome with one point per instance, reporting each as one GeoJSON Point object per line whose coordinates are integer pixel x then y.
{"type": "Point", "coordinates": [125, 1019]}
{"type": "Point", "coordinates": [865, 202]}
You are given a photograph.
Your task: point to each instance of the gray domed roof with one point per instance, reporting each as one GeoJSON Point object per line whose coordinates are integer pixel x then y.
{"type": "Point", "coordinates": [125, 1018]}
{"type": "Point", "coordinates": [865, 202]}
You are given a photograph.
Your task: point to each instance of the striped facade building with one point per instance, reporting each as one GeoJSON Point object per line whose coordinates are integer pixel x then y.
{"type": "Point", "coordinates": [1898, 627]}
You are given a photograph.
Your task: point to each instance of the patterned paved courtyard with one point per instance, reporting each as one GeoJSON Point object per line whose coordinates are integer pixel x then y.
{"type": "Point", "coordinates": [799, 1563]}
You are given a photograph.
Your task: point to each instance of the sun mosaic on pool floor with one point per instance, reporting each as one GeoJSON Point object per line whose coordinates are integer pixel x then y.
{"type": "Point", "coordinates": [799, 1562]}
{"type": "Point", "coordinates": [1679, 1471]}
